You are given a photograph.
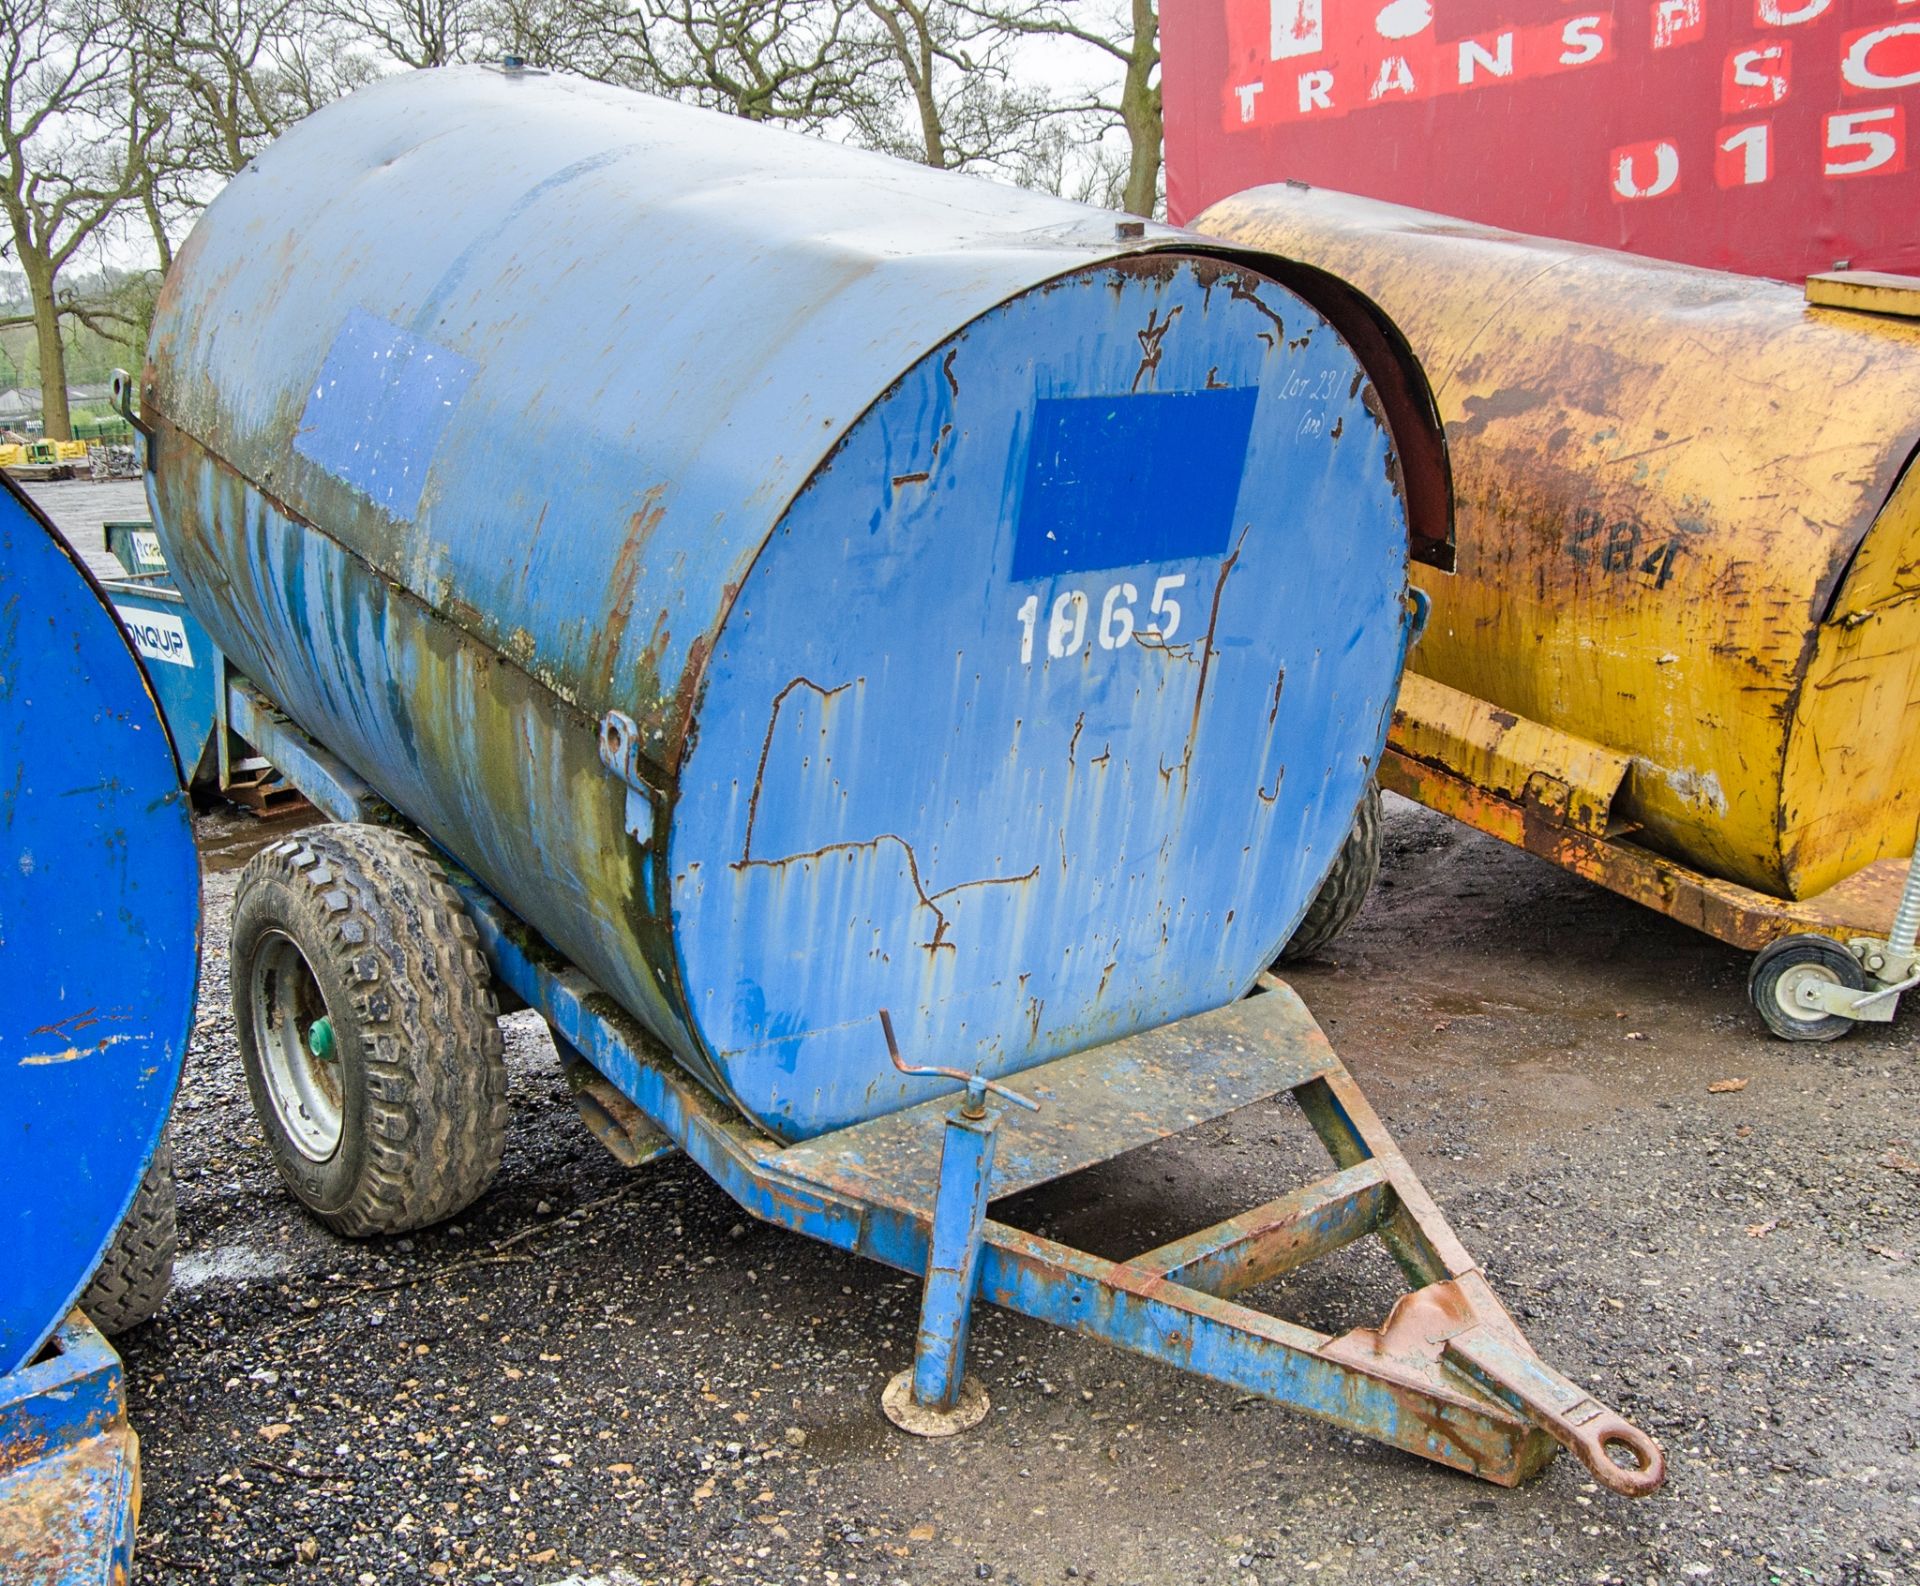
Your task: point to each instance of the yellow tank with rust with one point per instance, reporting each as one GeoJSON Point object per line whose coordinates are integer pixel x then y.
{"type": "Point", "coordinates": [1688, 528]}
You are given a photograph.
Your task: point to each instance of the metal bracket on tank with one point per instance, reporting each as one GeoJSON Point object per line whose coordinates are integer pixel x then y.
{"type": "Point", "coordinates": [123, 392]}
{"type": "Point", "coordinates": [620, 754]}
{"type": "Point", "coordinates": [1419, 613]}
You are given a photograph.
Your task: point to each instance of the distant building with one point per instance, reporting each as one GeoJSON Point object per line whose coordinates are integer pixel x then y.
{"type": "Point", "coordinates": [20, 405]}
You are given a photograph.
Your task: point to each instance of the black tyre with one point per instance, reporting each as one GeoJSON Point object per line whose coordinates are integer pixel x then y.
{"type": "Point", "coordinates": [1346, 886]}
{"type": "Point", "coordinates": [367, 1029]}
{"type": "Point", "coordinates": [137, 1270]}
{"type": "Point", "coordinates": [1784, 967]}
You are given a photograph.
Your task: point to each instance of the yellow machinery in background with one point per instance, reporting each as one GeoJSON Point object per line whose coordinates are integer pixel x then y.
{"type": "Point", "coordinates": [1680, 654]}
{"type": "Point", "coordinates": [43, 459]}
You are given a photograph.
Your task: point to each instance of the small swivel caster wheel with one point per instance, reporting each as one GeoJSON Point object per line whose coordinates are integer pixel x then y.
{"type": "Point", "coordinates": [1786, 971]}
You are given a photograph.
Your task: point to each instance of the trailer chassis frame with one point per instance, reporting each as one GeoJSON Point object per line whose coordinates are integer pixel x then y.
{"type": "Point", "coordinates": [1447, 1376]}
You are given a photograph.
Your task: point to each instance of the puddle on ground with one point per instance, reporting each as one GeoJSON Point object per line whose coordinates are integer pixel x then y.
{"type": "Point", "coordinates": [1466, 1005]}
{"type": "Point", "coordinates": [227, 840]}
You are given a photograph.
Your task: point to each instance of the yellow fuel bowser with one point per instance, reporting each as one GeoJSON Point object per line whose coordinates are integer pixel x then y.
{"type": "Point", "coordinates": [1680, 653]}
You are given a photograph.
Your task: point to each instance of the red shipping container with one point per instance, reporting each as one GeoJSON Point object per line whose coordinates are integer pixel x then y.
{"type": "Point", "coordinates": [1765, 136]}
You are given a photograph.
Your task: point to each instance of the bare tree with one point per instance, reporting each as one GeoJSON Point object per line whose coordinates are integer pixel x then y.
{"type": "Point", "coordinates": [415, 33]}
{"type": "Point", "coordinates": [950, 71]}
{"type": "Point", "coordinates": [579, 36]}
{"type": "Point", "coordinates": [1128, 31]}
{"type": "Point", "coordinates": [802, 62]}
{"type": "Point", "coordinates": [933, 80]}
{"type": "Point", "coordinates": [320, 60]}
{"type": "Point", "coordinates": [68, 156]}
{"type": "Point", "coordinates": [118, 306]}
{"type": "Point", "coordinates": [152, 176]}
{"type": "Point", "coordinates": [212, 67]}
{"type": "Point", "coordinates": [215, 81]}
{"type": "Point", "coordinates": [1070, 153]}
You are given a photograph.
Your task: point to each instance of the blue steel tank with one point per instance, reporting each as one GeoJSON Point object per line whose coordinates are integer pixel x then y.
{"type": "Point", "coordinates": [99, 929]}
{"type": "Point", "coordinates": [795, 582]}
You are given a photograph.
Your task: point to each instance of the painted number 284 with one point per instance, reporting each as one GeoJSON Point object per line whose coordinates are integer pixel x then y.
{"type": "Point", "coordinates": [1068, 620]}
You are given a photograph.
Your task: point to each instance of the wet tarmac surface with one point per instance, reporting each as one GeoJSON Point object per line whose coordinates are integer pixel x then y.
{"type": "Point", "coordinates": [594, 1374]}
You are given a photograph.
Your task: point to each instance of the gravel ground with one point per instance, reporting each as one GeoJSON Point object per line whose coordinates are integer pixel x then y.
{"type": "Point", "coordinates": [597, 1375]}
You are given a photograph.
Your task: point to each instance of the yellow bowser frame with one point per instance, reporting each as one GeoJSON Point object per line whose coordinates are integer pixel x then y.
{"type": "Point", "coordinates": [1557, 795]}
{"type": "Point", "coordinates": [1554, 794]}
{"type": "Point", "coordinates": [1681, 656]}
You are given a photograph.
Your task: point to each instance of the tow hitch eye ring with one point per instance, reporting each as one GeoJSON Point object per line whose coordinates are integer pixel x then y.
{"type": "Point", "coordinates": [1595, 1442]}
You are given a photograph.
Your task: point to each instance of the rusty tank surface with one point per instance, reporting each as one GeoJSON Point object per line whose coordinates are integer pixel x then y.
{"type": "Point", "coordinates": [1688, 526]}
{"type": "Point", "coordinates": [795, 583]}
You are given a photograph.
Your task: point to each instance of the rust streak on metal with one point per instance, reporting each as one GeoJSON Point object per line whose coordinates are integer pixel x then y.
{"type": "Point", "coordinates": [1183, 651]}
{"type": "Point", "coordinates": [1150, 343]}
{"type": "Point", "coordinates": [1242, 293]}
{"type": "Point", "coordinates": [1649, 451]}
{"type": "Point", "coordinates": [533, 539]}
{"type": "Point", "coordinates": [766, 748]}
{"type": "Point", "coordinates": [74, 1023]}
{"type": "Point", "coordinates": [931, 900]}
{"type": "Point", "coordinates": [624, 584]}
{"type": "Point", "coordinates": [1206, 662]}
{"type": "Point", "coordinates": [1206, 648]}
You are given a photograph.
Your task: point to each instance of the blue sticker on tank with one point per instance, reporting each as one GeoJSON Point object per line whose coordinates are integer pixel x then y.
{"type": "Point", "coordinates": [376, 413]}
{"type": "Point", "coordinates": [1121, 481]}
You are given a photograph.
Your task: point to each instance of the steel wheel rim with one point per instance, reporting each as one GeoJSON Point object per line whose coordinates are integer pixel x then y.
{"type": "Point", "coordinates": [1786, 990]}
{"type": "Point", "coordinates": [305, 1089]}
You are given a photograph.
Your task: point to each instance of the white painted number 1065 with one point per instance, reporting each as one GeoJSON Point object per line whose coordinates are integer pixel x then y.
{"type": "Point", "coordinates": [1067, 622]}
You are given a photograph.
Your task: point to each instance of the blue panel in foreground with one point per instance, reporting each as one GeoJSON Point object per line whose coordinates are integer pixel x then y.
{"type": "Point", "coordinates": [376, 414]}
{"type": "Point", "coordinates": [99, 929]}
{"type": "Point", "coordinates": [1120, 481]}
